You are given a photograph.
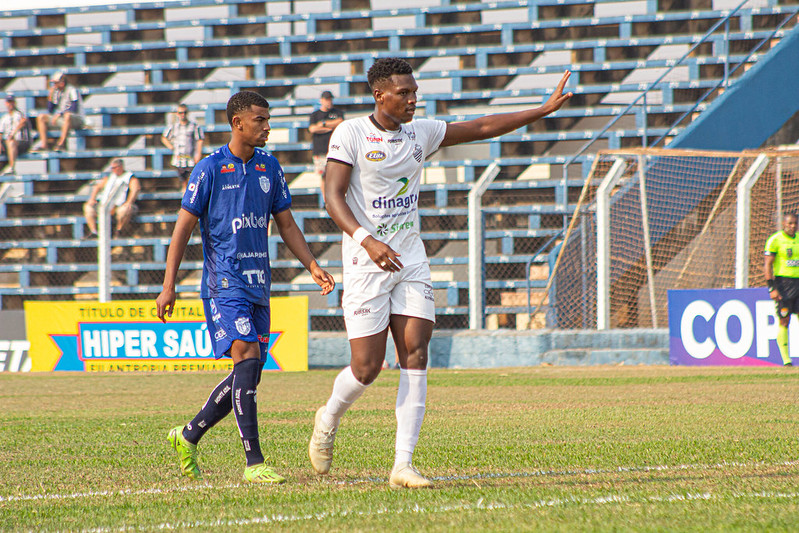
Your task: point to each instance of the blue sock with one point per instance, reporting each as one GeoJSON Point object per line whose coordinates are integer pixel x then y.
{"type": "Point", "coordinates": [245, 383]}
{"type": "Point", "coordinates": [218, 406]}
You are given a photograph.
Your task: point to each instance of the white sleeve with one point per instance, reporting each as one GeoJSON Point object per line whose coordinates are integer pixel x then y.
{"type": "Point", "coordinates": [342, 145]}
{"type": "Point", "coordinates": [434, 131]}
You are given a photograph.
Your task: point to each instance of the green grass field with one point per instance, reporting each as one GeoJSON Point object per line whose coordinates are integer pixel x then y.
{"type": "Point", "coordinates": [546, 448]}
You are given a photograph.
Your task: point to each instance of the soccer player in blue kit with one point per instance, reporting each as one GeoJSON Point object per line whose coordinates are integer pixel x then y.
{"type": "Point", "coordinates": [232, 193]}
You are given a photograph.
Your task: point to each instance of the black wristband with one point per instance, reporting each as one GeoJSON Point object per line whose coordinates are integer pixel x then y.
{"type": "Point", "coordinates": [771, 285]}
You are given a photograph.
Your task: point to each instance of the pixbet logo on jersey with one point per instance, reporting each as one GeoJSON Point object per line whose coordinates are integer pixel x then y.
{"type": "Point", "coordinates": [251, 221]}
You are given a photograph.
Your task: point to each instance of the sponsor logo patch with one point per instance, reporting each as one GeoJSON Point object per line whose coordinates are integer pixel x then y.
{"type": "Point", "coordinates": [372, 138]}
{"type": "Point", "coordinates": [230, 167]}
{"type": "Point", "coordinates": [375, 155]}
{"type": "Point", "coordinates": [362, 311]}
{"type": "Point", "coordinates": [260, 167]}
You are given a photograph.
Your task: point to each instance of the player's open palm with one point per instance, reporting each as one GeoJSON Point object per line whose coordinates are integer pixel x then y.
{"type": "Point", "coordinates": [557, 98]}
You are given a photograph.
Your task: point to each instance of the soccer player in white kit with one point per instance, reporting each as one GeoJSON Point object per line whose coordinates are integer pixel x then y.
{"type": "Point", "coordinates": [374, 166]}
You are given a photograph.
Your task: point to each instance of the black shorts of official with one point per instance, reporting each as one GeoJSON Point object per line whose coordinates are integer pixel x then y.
{"type": "Point", "coordinates": [788, 303]}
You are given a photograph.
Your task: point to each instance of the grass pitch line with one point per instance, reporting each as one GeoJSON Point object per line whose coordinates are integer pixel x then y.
{"type": "Point", "coordinates": [115, 493]}
{"type": "Point", "coordinates": [585, 471]}
{"type": "Point", "coordinates": [376, 480]}
{"type": "Point", "coordinates": [479, 505]}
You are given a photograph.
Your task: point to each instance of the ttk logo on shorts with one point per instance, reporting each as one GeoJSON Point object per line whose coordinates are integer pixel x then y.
{"type": "Point", "coordinates": [243, 325]}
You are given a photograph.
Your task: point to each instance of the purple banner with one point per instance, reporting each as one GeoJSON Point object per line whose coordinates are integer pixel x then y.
{"type": "Point", "coordinates": [726, 327]}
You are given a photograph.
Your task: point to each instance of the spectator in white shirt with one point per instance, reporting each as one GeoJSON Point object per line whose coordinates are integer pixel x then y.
{"type": "Point", "coordinates": [64, 111]}
{"type": "Point", "coordinates": [185, 138]}
{"type": "Point", "coordinates": [124, 201]}
{"type": "Point", "coordinates": [15, 133]}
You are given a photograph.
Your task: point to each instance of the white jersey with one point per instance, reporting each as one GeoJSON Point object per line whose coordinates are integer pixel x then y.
{"type": "Point", "coordinates": [384, 185]}
{"type": "Point", "coordinates": [122, 194]}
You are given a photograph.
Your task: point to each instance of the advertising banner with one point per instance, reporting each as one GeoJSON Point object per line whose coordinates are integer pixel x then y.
{"type": "Point", "coordinates": [726, 327]}
{"type": "Point", "coordinates": [126, 336]}
{"type": "Point", "coordinates": [13, 344]}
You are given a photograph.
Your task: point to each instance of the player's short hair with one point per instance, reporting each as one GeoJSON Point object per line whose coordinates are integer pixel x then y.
{"type": "Point", "coordinates": [243, 100]}
{"type": "Point", "coordinates": [385, 67]}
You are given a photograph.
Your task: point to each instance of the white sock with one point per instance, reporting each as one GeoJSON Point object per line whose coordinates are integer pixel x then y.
{"type": "Point", "coordinates": [411, 397]}
{"type": "Point", "coordinates": [346, 389]}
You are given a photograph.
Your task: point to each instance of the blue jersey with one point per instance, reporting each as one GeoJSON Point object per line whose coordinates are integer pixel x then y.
{"type": "Point", "coordinates": [234, 201]}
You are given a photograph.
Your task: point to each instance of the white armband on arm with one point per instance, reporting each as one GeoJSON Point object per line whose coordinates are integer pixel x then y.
{"type": "Point", "coordinates": [360, 234]}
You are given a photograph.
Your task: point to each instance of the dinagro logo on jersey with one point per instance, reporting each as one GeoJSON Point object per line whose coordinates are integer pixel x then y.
{"type": "Point", "coordinates": [251, 221]}
{"type": "Point", "coordinates": [399, 199]}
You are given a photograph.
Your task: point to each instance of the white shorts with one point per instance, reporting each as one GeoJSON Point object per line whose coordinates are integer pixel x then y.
{"type": "Point", "coordinates": [370, 298]}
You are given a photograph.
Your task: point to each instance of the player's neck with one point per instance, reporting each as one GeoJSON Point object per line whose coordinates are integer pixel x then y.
{"type": "Point", "coordinates": [384, 122]}
{"type": "Point", "coordinates": [241, 150]}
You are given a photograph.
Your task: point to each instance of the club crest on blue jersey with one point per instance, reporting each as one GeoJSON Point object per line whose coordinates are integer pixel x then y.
{"type": "Point", "coordinates": [264, 182]}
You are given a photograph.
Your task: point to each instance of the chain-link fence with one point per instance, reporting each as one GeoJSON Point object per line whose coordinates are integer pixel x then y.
{"type": "Point", "coordinates": [654, 220]}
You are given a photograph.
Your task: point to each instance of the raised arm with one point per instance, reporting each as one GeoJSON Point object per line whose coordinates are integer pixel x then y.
{"type": "Point", "coordinates": [494, 125]}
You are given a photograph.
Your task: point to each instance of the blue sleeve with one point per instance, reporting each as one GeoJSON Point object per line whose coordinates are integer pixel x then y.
{"type": "Point", "coordinates": [282, 198]}
{"type": "Point", "coordinates": [198, 190]}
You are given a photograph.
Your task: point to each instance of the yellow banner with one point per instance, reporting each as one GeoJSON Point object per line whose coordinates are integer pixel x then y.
{"type": "Point", "coordinates": [126, 336]}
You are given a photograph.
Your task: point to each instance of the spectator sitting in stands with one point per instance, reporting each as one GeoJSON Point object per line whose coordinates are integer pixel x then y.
{"type": "Point", "coordinates": [64, 110]}
{"type": "Point", "coordinates": [15, 133]}
{"type": "Point", "coordinates": [185, 139]}
{"type": "Point", "coordinates": [124, 202]}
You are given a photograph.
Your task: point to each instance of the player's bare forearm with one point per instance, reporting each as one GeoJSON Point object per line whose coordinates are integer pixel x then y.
{"type": "Point", "coordinates": [177, 246]}
{"type": "Point", "coordinates": [293, 238]}
{"type": "Point", "coordinates": [165, 302]}
{"type": "Point", "coordinates": [491, 126]}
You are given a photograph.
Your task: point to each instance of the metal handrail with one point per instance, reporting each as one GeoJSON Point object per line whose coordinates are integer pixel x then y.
{"type": "Point", "coordinates": [727, 75]}
{"type": "Point", "coordinates": [652, 85]}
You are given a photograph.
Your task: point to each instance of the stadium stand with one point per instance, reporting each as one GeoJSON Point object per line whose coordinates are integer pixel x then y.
{"type": "Point", "coordinates": [133, 63]}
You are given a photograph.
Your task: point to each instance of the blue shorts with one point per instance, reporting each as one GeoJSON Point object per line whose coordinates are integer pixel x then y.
{"type": "Point", "coordinates": [232, 319]}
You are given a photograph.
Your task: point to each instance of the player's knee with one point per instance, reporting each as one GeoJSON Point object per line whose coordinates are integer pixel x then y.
{"type": "Point", "coordinates": [417, 357]}
{"type": "Point", "coordinates": [367, 372]}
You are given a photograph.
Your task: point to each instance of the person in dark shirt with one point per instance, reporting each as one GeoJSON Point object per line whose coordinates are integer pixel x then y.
{"type": "Point", "coordinates": [323, 121]}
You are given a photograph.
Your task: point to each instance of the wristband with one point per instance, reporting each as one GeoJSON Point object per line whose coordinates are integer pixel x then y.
{"type": "Point", "coordinates": [360, 234]}
{"type": "Point", "coordinates": [771, 285]}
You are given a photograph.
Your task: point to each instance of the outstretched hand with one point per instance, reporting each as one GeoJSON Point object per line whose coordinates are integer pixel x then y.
{"type": "Point", "coordinates": [557, 98]}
